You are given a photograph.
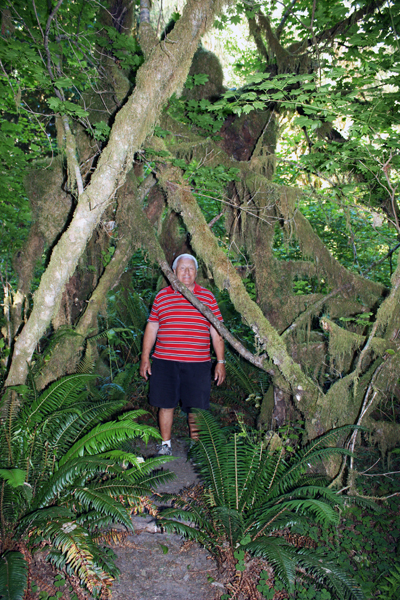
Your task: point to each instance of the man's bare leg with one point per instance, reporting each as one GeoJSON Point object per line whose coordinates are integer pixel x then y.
{"type": "Point", "coordinates": [193, 429]}
{"type": "Point", "coordinates": [165, 420]}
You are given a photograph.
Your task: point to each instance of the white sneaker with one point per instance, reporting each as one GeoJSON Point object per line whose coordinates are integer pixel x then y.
{"type": "Point", "coordinates": [164, 450]}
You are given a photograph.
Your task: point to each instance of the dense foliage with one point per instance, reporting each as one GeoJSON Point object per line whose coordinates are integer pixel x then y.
{"type": "Point", "coordinates": [285, 187]}
{"type": "Point", "coordinates": [65, 481]}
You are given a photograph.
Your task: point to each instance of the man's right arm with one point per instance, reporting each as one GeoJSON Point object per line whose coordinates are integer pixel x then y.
{"type": "Point", "coordinates": [149, 339]}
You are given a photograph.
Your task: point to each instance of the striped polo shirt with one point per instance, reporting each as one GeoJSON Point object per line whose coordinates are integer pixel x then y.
{"type": "Point", "coordinates": [183, 333]}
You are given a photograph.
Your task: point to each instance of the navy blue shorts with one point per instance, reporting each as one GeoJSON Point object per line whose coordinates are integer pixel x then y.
{"type": "Point", "coordinates": [171, 381]}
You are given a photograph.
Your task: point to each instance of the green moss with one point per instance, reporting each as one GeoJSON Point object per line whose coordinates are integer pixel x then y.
{"type": "Point", "coordinates": [385, 434]}
{"type": "Point", "coordinates": [266, 409]}
{"type": "Point", "coordinates": [50, 204]}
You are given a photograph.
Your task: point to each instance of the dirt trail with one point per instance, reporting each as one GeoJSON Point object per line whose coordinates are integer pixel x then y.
{"type": "Point", "coordinates": [162, 566]}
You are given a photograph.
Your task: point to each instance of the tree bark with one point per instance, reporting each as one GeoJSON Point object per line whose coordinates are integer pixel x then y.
{"type": "Point", "coordinates": [67, 353]}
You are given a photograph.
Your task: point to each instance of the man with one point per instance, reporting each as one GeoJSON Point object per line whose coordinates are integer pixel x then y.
{"type": "Point", "coordinates": [181, 362]}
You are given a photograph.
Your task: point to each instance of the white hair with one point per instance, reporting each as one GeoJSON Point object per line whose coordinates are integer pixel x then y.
{"type": "Point", "coordinates": [178, 258]}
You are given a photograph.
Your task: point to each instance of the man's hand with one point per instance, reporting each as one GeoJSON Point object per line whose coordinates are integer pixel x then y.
{"type": "Point", "coordinates": [149, 338]}
{"type": "Point", "coordinates": [145, 367]}
{"type": "Point", "coordinates": [219, 347]}
{"type": "Point", "coordinates": [219, 373]}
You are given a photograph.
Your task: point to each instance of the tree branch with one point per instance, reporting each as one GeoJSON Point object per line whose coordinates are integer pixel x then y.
{"type": "Point", "coordinates": [354, 341]}
{"type": "Point", "coordinates": [148, 38]}
{"type": "Point", "coordinates": [311, 310]}
{"type": "Point", "coordinates": [67, 352]}
{"type": "Point", "coordinates": [258, 361]}
{"type": "Point", "coordinates": [378, 262]}
{"type": "Point", "coordinates": [255, 31]}
{"type": "Point", "coordinates": [344, 25]}
{"type": "Point", "coordinates": [337, 275]}
{"type": "Point", "coordinates": [46, 45]}
{"type": "Point", "coordinates": [285, 17]}
{"type": "Point", "coordinates": [132, 125]}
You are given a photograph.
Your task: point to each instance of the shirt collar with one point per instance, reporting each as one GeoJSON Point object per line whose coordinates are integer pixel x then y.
{"type": "Point", "coordinates": [196, 289]}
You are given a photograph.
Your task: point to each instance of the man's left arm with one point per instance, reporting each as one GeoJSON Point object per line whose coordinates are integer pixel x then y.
{"type": "Point", "coordinates": [219, 349]}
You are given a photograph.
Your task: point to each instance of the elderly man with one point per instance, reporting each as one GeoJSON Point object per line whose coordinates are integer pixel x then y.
{"type": "Point", "coordinates": [181, 362]}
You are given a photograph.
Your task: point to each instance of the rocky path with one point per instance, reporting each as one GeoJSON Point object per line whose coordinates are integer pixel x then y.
{"type": "Point", "coordinates": [162, 566]}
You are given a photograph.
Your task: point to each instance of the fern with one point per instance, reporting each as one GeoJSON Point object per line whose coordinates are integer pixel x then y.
{"type": "Point", "coordinates": [13, 576]}
{"type": "Point", "coordinates": [253, 494]}
{"type": "Point", "coordinates": [63, 475]}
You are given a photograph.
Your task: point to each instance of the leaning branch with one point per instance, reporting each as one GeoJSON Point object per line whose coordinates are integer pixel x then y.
{"type": "Point", "coordinates": [258, 361]}
{"type": "Point", "coordinates": [311, 310]}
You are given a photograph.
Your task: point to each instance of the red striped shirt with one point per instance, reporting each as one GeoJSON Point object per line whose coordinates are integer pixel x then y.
{"type": "Point", "coordinates": [183, 333]}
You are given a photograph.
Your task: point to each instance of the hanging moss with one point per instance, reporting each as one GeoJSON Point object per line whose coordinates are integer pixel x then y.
{"type": "Point", "coordinates": [50, 204]}
{"type": "Point", "coordinates": [343, 344]}
{"type": "Point", "coordinates": [388, 313]}
{"type": "Point", "coordinates": [226, 277]}
{"type": "Point", "coordinates": [335, 274]}
{"type": "Point", "coordinates": [384, 434]}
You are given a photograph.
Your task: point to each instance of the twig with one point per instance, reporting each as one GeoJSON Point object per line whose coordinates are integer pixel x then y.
{"type": "Point", "coordinates": [285, 17]}
{"type": "Point", "coordinates": [380, 474]}
{"type": "Point", "coordinates": [217, 218]}
{"type": "Point", "coordinates": [378, 262]}
{"type": "Point", "coordinates": [46, 44]}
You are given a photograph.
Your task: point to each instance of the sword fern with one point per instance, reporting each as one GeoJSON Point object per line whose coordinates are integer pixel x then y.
{"type": "Point", "coordinates": [252, 495]}
{"type": "Point", "coordinates": [64, 477]}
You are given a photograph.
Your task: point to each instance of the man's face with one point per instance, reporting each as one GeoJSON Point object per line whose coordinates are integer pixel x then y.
{"type": "Point", "coordinates": [186, 272]}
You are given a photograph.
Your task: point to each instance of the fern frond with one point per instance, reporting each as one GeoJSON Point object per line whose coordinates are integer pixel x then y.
{"type": "Point", "coordinates": [55, 396]}
{"type": "Point", "coordinates": [327, 572]}
{"type": "Point", "coordinates": [210, 453]}
{"type": "Point", "coordinates": [104, 437]}
{"type": "Point", "coordinates": [292, 475]}
{"type": "Point", "coordinates": [103, 504]}
{"type": "Point", "coordinates": [79, 552]}
{"type": "Point", "coordinates": [13, 576]}
{"type": "Point", "coordinates": [181, 528]}
{"type": "Point", "coordinates": [40, 518]}
{"type": "Point", "coordinates": [68, 474]}
{"type": "Point", "coordinates": [328, 438]}
{"type": "Point", "coordinates": [130, 486]}
{"type": "Point", "coordinates": [231, 521]}
{"type": "Point", "coordinates": [90, 415]}
{"type": "Point", "coordinates": [279, 554]}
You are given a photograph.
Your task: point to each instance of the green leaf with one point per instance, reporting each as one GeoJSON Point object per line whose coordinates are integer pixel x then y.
{"type": "Point", "coordinates": [164, 548]}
